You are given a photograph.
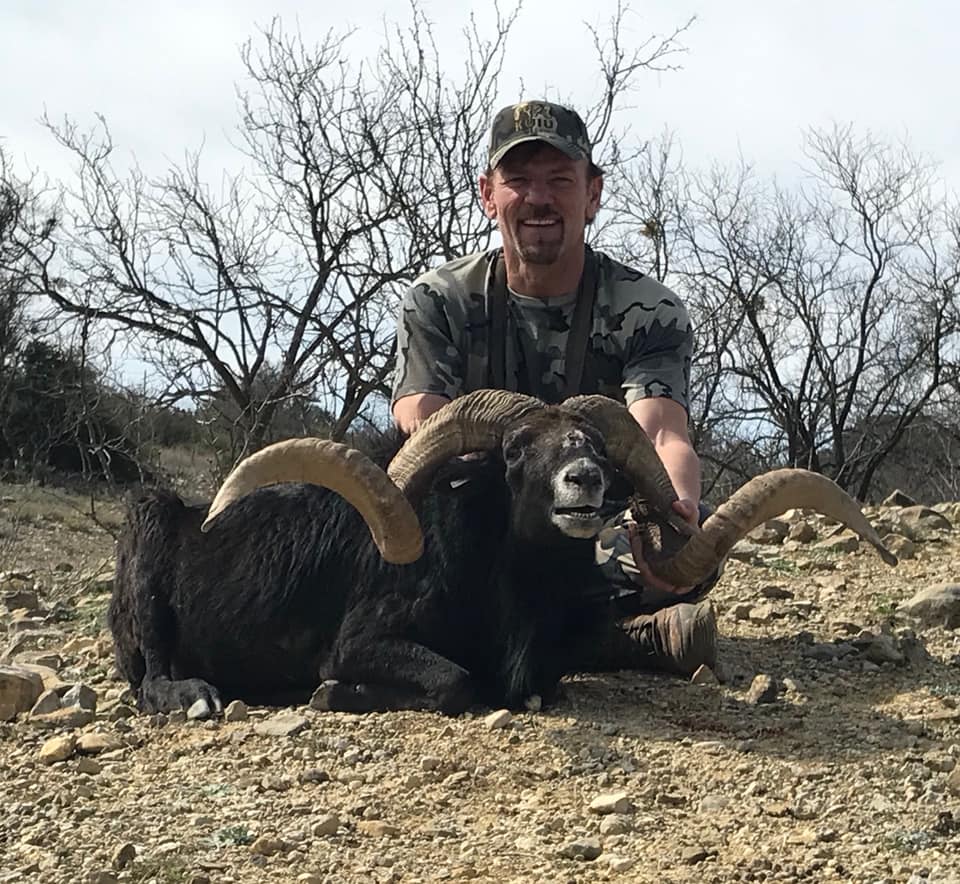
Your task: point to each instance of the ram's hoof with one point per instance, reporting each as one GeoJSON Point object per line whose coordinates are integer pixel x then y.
{"type": "Point", "coordinates": [163, 695]}
{"type": "Point", "coordinates": [322, 698]}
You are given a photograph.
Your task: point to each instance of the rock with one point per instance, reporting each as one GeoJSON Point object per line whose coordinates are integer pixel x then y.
{"type": "Point", "coordinates": [20, 688]}
{"type": "Point", "coordinates": [286, 724]}
{"type": "Point", "coordinates": [199, 709]}
{"type": "Point", "coordinates": [704, 676]}
{"type": "Point", "coordinates": [267, 845]}
{"type": "Point", "coordinates": [619, 863]}
{"type": "Point", "coordinates": [611, 802]}
{"type": "Point", "coordinates": [21, 599]}
{"type": "Point", "coordinates": [57, 749]}
{"type": "Point", "coordinates": [533, 703]}
{"type": "Point", "coordinates": [762, 613]}
{"type": "Point", "coordinates": [937, 605]}
{"type": "Point", "coordinates": [922, 523]}
{"type": "Point", "coordinates": [82, 696]}
{"type": "Point", "coordinates": [71, 717]}
{"type": "Point", "coordinates": [377, 828]}
{"type": "Point", "coordinates": [741, 611]}
{"type": "Point", "coordinates": [714, 803]}
{"type": "Point", "coordinates": [842, 543]}
{"type": "Point", "coordinates": [325, 825]}
{"type": "Point", "coordinates": [123, 856]}
{"type": "Point", "coordinates": [830, 582]}
{"type": "Point", "coordinates": [878, 649]}
{"type": "Point", "coordinates": [912, 647]}
{"type": "Point", "coordinates": [236, 711]}
{"type": "Point", "coordinates": [48, 701]}
{"type": "Point", "coordinates": [582, 848]}
{"type": "Point", "coordinates": [95, 743]}
{"type": "Point", "coordinates": [86, 765]}
{"type": "Point", "coordinates": [616, 824]}
{"type": "Point", "coordinates": [102, 876]}
{"type": "Point", "coordinates": [690, 856]}
{"type": "Point", "coordinates": [30, 661]}
{"type": "Point", "coordinates": [898, 498]}
{"type": "Point", "coordinates": [763, 689]}
{"type": "Point", "coordinates": [953, 781]}
{"type": "Point", "coordinates": [775, 592]}
{"type": "Point", "coordinates": [802, 532]}
{"type": "Point", "coordinates": [770, 533]}
{"type": "Point", "coordinates": [499, 719]}
{"type": "Point", "coordinates": [78, 645]}
{"type": "Point", "coordinates": [902, 547]}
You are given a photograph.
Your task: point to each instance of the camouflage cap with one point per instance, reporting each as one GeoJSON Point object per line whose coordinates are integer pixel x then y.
{"type": "Point", "coordinates": [555, 124]}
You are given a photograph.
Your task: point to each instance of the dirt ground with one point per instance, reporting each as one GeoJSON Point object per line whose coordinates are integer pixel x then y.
{"type": "Point", "coordinates": [847, 770]}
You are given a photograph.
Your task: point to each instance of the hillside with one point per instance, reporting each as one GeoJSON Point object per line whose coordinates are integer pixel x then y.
{"type": "Point", "coordinates": [847, 769]}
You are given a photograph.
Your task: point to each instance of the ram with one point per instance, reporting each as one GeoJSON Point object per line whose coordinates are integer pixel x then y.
{"type": "Point", "coordinates": [453, 592]}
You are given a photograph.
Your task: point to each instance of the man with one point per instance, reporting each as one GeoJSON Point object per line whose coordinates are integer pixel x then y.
{"type": "Point", "coordinates": [549, 317]}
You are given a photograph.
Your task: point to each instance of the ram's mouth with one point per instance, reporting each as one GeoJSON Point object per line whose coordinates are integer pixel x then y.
{"type": "Point", "coordinates": [578, 521]}
{"type": "Point", "coordinates": [577, 512]}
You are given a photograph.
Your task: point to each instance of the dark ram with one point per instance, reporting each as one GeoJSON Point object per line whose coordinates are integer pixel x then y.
{"type": "Point", "coordinates": [482, 591]}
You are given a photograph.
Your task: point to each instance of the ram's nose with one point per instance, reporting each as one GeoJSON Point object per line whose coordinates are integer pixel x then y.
{"type": "Point", "coordinates": [583, 475]}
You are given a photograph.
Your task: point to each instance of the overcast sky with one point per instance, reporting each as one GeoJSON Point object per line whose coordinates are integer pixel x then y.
{"type": "Point", "coordinates": [755, 75]}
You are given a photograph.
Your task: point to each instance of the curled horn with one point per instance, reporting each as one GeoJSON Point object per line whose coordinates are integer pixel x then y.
{"type": "Point", "coordinates": [760, 499]}
{"type": "Point", "coordinates": [351, 474]}
{"type": "Point", "coordinates": [473, 422]}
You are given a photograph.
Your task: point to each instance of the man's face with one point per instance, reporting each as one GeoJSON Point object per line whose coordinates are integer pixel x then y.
{"type": "Point", "coordinates": [542, 201]}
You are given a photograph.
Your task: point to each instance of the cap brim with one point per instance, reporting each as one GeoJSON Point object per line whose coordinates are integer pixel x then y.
{"type": "Point", "coordinates": [561, 144]}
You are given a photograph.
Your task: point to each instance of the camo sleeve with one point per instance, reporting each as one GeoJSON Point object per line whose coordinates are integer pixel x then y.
{"type": "Point", "coordinates": [660, 349]}
{"type": "Point", "coordinates": [428, 360]}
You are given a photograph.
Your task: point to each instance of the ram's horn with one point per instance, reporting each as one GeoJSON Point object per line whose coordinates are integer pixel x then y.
{"type": "Point", "coordinates": [473, 422]}
{"type": "Point", "coordinates": [760, 499]}
{"type": "Point", "coordinates": [346, 471]}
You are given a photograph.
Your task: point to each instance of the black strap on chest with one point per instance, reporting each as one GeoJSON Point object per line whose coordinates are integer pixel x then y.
{"type": "Point", "coordinates": [578, 338]}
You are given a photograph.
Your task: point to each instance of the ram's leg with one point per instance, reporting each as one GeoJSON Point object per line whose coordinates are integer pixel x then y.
{"type": "Point", "coordinates": [377, 675]}
{"type": "Point", "coordinates": [159, 692]}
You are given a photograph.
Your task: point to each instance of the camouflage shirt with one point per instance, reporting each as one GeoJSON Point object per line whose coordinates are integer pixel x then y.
{"type": "Point", "coordinates": [640, 343]}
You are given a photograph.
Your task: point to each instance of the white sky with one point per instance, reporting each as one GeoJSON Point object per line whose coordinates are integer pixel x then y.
{"type": "Point", "coordinates": [756, 74]}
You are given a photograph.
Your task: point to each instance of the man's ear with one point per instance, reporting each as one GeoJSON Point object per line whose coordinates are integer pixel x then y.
{"type": "Point", "coordinates": [486, 196]}
{"type": "Point", "coordinates": [594, 191]}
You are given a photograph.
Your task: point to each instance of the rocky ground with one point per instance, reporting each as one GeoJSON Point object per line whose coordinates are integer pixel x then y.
{"type": "Point", "coordinates": [830, 752]}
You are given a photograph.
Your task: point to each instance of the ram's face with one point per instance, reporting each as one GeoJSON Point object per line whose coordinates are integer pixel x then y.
{"type": "Point", "coordinates": [558, 474]}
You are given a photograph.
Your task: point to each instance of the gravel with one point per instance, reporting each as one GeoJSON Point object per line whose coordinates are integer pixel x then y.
{"type": "Point", "coordinates": [828, 752]}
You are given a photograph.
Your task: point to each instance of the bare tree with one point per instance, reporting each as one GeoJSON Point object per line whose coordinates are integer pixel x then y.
{"type": "Point", "coordinates": [825, 316]}
{"type": "Point", "coordinates": [290, 271]}
{"type": "Point", "coordinates": [282, 284]}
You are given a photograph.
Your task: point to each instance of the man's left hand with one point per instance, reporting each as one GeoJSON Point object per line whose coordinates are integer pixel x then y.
{"type": "Point", "coordinates": [690, 511]}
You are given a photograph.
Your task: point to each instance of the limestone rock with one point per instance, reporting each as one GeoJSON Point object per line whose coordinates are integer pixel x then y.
{"type": "Point", "coordinates": [937, 605]}
{"type": "Point", "coordinates": [498, 720]}
{"type": "Point", "coordinates": [286, 724]}
{"type": "Point", "coordinates": [841, 543]}
{"type": "Point", "coordinates": [898, 498]}
{"type": "Point", "coordinates": [611, 802]}
{"type": "Point", "coordinates": [48, 701]}
{"type": "Point", "coordinates": [582, 848]}
{"type": "Point", "coordinates": [57, 749]}
{"type": "Point", "coordinates": [19, 690]}
{"type": "Point", "coordinates": [763, 689]}
{"type": "Point", "coordinates": [94, 744]}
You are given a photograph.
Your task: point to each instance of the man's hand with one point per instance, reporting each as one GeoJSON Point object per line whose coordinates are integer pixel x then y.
{"type": "Point", "coordinates": [690, 511]}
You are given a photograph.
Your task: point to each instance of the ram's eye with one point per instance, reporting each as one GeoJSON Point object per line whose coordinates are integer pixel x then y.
{"type": "Point", "coordinates": [514, 446]}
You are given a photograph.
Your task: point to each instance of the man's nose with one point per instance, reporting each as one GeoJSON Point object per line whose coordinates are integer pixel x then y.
{"type": "Point", "coordinates": [539, 193]}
